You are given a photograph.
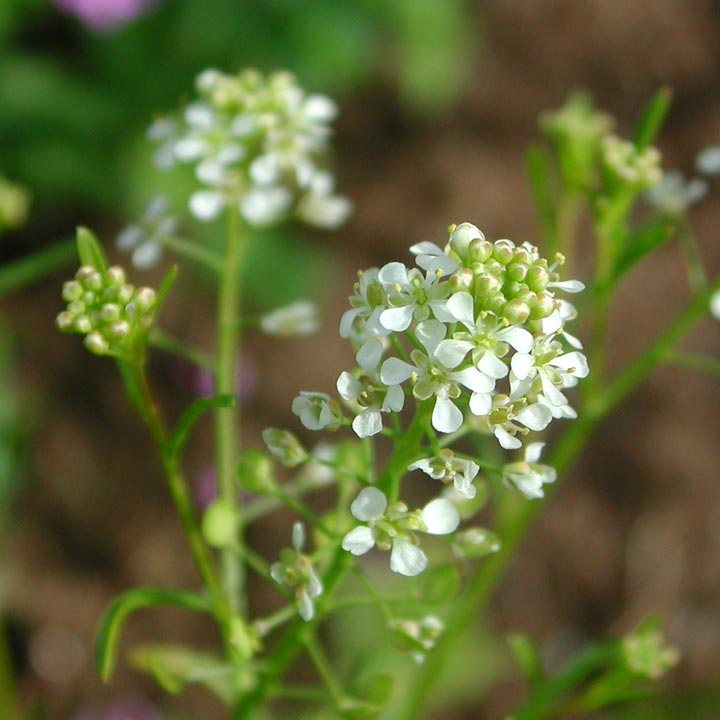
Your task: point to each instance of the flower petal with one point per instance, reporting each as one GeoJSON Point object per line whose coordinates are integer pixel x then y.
{"type": "Point", "coordinates": [440, 517]}
{"type": "Point", "coordinates": [521, 364]}
{"type": "Point", "coordinates": [460, 306]}
{"type": "Point", "coordinates": [206, 204]}
{"type": "Point", "coordinates": [452, 352]}
{"type": "Point", "coordinates": [536, 416]}
{"type": "Point", "coordinates": [446, 417]}
{"type": "Point", "coordinates": [348, 386]}
{"type": "Point", "coordinates": [358, 541]}
{"type": "Point", "coordinates": [407, 559]}
{"type": "Point", "coordinates": [369, 505]}
{"type": "Point", "coordinates": [533, 452]}
{"type": "Point", "coordinates": [394, 371]}
{"type": "Point", "coordinates": [367, 423]}
{"type": "Point", "coordinates": [397, 319]}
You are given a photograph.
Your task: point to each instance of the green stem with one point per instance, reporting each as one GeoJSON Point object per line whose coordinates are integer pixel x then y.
{"type": "Point", "coordinates": [569, 445]}
{"type": "Point", "coordinates": [163, 341]}
{"type": "Point", "coordinates": [34, 267]}
{"type": "Point", "coordinates": [193, 251]}
{"type": "Point", "coordinates": [691, 255]}
{"type": "Point", "coordinates": [695, 361]}
{"type": "Point", "coordinates": [324, 668]}
{"type": "Point", "coordinates": [138, 389]}
{"type": "Point", "coordinates": [227, 421]}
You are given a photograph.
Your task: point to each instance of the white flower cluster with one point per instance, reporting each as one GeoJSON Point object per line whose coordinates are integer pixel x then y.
{"type": "Point", "coordinates": [486, 339]}
{"type": "Point", "coordinates": [258, 142]}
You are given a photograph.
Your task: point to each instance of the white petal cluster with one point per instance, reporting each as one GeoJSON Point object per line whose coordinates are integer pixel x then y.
{"type": "Point", "coordinates": [298, 319]}
{"type": "Point", "coordinates": [258, 142]}
{"type": "Point", "coordinates": [394, 528]}
{"type": "Point", "coordinates": [144, 239]}
{"type": "Point", "coordinates": [296, 570]}
{"type": "Point", "coordinates": [448, 468]}
{"type": "Point", "coordinates": [484, 336]}
{"type": "Point", "coordinates": [528, 475]}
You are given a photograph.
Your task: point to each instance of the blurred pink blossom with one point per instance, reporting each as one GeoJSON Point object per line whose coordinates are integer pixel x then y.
{"type": "Point", "coordinates": [104, 15]}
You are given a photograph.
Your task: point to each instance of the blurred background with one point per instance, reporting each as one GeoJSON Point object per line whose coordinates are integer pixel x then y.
{"type": "Point", "coordinates": [439, 101]}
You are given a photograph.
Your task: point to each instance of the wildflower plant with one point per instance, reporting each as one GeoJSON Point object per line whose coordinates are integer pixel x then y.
{"type": "Point", "coordinates": [463, 361]}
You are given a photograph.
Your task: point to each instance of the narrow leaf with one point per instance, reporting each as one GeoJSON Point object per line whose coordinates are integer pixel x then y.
{"type": "Point", "coordinates": [35, 267]}
{"type": "Point", "coordinates": [192, 414]}
{"type": "Point", "coordinates": [527, 657]}
{"type": "Point", "coordinates": [652, 118]}
{"type": "Point", "coordinates": [108, 632]}
{"type": "Point", "coordinates": [89, 250]}
{"type": "Point", "coordinates": [166, 283]}
{"type": "Point", "coordinates": [174, 666]}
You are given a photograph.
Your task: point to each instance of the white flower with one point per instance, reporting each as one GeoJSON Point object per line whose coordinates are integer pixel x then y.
{"type": "Point", "coordinates": [367, 303]}
{"type": "Point", "coordinates": [487, 337]}
{"type": "Point", "coordinates": [432, 258]}
{"type": "Point", "coordinates": [369, 392]}
{"type": "Point", "coordinates": [674, 195]}
{"type": "Point", "coordinates": [394, 528]}
{"type": "Point", "coordinates": [715, 304]}
{"type": "Point", "coordinates": [298, 319]}
{"type": "Point", "coordinates": [529, 476]}
{"type": "Point", "coordinates": [450, 469]}
{"type": "Point", "coordinates": [708, 161]}
{"type": "Point", "coordinates": [509, 418]}
{"type": "Point", "coordinates": [145, 238]}
{"type": "Point", "coordinates": [418, 637]}
{"type": "Point", "coordinates": [317, 411]}
{"type": "Point", "coordinates": [551, 366]}
{"type": "Point", "coordinates": [296, 570]}
{"type": "Point", "coordinates": [432, 378]}
{"type": "Point", "coordinates": [411, 296]}
{"type": "Point", "coordinates": [265, 205]}
{"type": "Point", "coordinates": [320, 206]}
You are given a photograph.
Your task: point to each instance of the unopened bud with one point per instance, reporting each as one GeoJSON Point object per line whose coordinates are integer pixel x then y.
{"type": "Point", "coordinates": [480, 250]}
{"type": "Point", "coordinates": [543, 307]}
{"type": "Point", "coordinates": [72, 290]}
{"type": "Point", "coordinates": [64, 321]}
{"type": "Point", "coordinates": [537, 278]}
{"type": "Point", "coordinates": [120, 330]}
{"type": "Point", "coordinates": [110, 312]}
{"type": "Point", "coordinates": [82, 324]}
{"type": "Point", "coordinates": [96, 343]}
{"type": "Point", "coordinates": [517, 312]}
{"type": "Point", "coordinates": [503, 251]}
{"type": "Point", "coordinates": [255, 472]}
{"type": "Point", "coordinates": [284, 446]}
{"type": "Point", "coordinates": [220, 524]}
{"type": "Point", "coordinates": [144, 299]}
{"type": "Point", "coordinates": [115, 275]}
{"type": "Point", "coordinates": [475, 542]}
{"type": "Point", "coordinates": [462, 236]}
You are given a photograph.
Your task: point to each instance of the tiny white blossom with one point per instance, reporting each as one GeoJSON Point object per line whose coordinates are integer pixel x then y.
{"type": "Point", "coordinates": [145, 238]}
{"type": "Point", "coordinates": [393, 528]}
{"type": "Point", "coordinates": [528, 475]}
{"type": "Point", "coordinates": [715, 305]}
{"type": "Point", "coordinates": [367, 303]}
{"type": "Point", "coordinates": [674, 195]}
{"type": "Point", "coordinates": [298, 319]}
{"type": "Point", "coordinates": [708, 161]}
{"type": "Point", "coordinates": [296, 570]}
{"type": "Point", "coordinates": [450, 469]}
{"type": "Point", "coordinates": [317, 411]}
{"type": "Point", "coordinates": [368, 391]}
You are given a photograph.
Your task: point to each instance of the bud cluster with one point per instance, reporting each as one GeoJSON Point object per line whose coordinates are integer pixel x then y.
{"type": "Point", "coordinates": [639, 169]}
{"type": "Point", "coordinates": [259, 142]}
{"type": "Point", "coordinates": [113, 315]}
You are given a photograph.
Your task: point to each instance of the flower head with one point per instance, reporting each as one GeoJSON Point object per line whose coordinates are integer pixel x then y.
{"type": "Point", "coordinates": [298, 319]}
{"type": "Point", "coordinates": [450, 469]}
{"type": "Point", "coordinates": [317, 411]}
{"type": "Point", "coordinates": [394, 528]}
{"type": "Point", "coordinates": [258, 142]}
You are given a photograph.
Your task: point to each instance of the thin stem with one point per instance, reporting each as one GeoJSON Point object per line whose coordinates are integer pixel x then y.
{"type": "Point", "coordinates": [695, 361]}
{"type": "Point", "coordinates": [227, 421]}
{"type": "Point", "coordinates": [304, 512]}
{"type": "Point", "coordinates": [691, 255]}
{"type": "Point", "coordinates": [135, 379]}
{"type": "Point", "coordinates": [267, 624]}
{"type": "Point", "coordinates": [193, 251]}
{"type": "Point", "coordinates": [374, 594]}
{"type": "Point", "coordinates": [324, 668]}
{"type": "Point", "coordinates": [163, 341]}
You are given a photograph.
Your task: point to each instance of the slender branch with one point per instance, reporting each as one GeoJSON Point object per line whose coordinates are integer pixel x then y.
{"type": "Point", "coordinates": [193, 251]}
{"type": "Point", "coordinates": [163, 341]}
{"type": "Point", "coordinates": [227, 421]}
{"type": "Point", "coordinates": [34, 267]}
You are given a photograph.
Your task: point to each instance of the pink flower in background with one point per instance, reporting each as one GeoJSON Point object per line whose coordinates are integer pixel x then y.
{"type": "Point", "coordinates": [104, 15]}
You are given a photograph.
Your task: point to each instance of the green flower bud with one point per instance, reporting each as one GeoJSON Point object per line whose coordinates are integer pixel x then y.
{"type": "Point", "coordinates": [220, 524]}
{"type": "Point", "coordinates": [144, 299]}
{"type": "Point", "coordinates": [543, 307]}
{"type": "Point", "coordinates": [243, 639]}
{"type": "Point", "coordinates": [82, 324]}
{"type": "Point", "coordinates": [64, 321]}
{"type": "Point", "coordinates": [255, 471]}
{"type": "Point", "coordinates": [461, 279]}
{"type": "Point", "coordinates": [537, 278]}
{"type": "Point", "coordinates": [517, 272]}
{"type": "Point", "coordinates": [486, 285]}
{"type": "Point", "coordinates": [119, 330]}
{"type": "Point", "coordinates": [503, 251]}
{"type": "Point", "coordinates": [125, 293]}
{"type": "Point", "coordinates": [115, 275]}
{"type": "Point", "coordinates": [110, 312]}
{"type": "Point", "coordinates": [496, 304]}
{"type": "Point", "coordinates": [285, 447]}
{"type": "Point", "coordinates": [516, 312]}
{"type": "Point", "coordinates": [76, 307]}
{"type": "Point", "coordinates": [462, 236]}
{"type": "Point", "coordinates": [475, 542]}
{"type": "Point", "coordinates": [72, 290]}
{"type": "Point", "coordinates": [93, 281]}
{"type": "Point", "coordinates": [480, 251]}
{"type": "Point", "coordinates": [94, 341]}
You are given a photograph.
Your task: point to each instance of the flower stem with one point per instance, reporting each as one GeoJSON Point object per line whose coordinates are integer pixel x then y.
{"type": "Point", "coordinates": [227, 420]}
{"type": "Point", "coordinates": [138, 389]}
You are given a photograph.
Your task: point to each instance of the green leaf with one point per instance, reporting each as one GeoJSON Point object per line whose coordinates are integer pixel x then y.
{"type": "Point", "coordinates": [108, 632]}
{"type": "Point", "coordinates": [642, 241]}
{"type": "Point", "coordinates": [527, 657]}
{"type": "Point", "coordinates": [438, 585]}
{"type": "Point", "coordinates": [652, 118]}
{"type": "Point", "coordinates": [191, 415]}
{"type": "Point", "coordinates": [538, 172]}
{"type": "Point", "coordinates": [166, 283]}
{"type": "Point", "coordinates": [36, 266]}
{"type": "Point", "coordinates": [89, 250]}
{"type": "Point", "coordinates": [174, 666]}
